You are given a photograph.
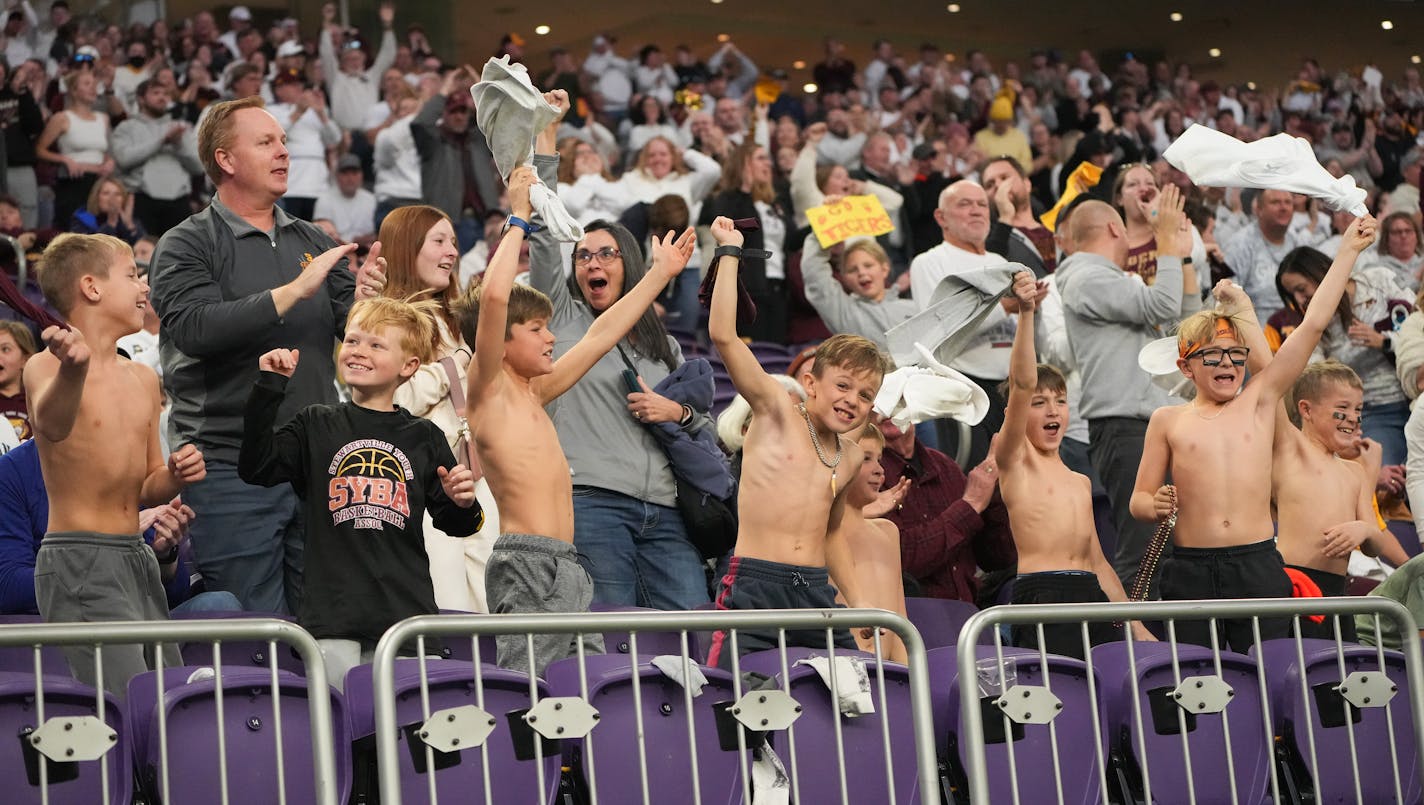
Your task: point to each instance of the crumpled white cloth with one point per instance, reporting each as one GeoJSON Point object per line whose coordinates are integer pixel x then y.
{"type": "Point", "coordinates": [852, 688]}
{"type": "Point", "coordinates": [511, 113]}
{"type": "Point", "coordinates": [956, 307]}
{"type": "Point", "coordinates": [1281, 162]}
{"type": "Point", "coordinates": [671, 667]}
{"type": "Point", "coordinates": [1159, 359]}
{"type": "Point", "coordinates": [770, 784]}
{"type": "Point", "coordinates": [913, 394]}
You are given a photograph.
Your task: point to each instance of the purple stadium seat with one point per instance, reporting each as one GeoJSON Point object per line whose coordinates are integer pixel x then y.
{"type": "Point", "coordinates": [251, 653]}
{"type": "Point", "coordinates": [249, 731]}
{"type": "Point", "coordinates": [1249, 747]}
{"type": "Point", "coordinates": [939, 620]}
{"type": "Point", "coordinates": [21, 659]}
{"type": "Point", "coordinates": [69, 783]}
{"type": "Point", "coordinates": [1032, 747]}
{"type": "Point", "coordinates": [616, 766]}
{"type": "Point", "coordinates": [460, 776]}
{"type": "Point", "coordinates": [862, 736]}
{"type": "Point", "coordinates": [1403, 530]}
{"type": "Point", "coordinates": [1325, 711]}
{"type": "Point", "coordinates": [650, 644]}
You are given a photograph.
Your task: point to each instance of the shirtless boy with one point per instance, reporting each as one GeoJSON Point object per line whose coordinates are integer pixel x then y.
{"type": "Point", "coordinates": [1217, 448]}
{"type": "Point", "coordinates": [797, 467]}
{"type": "Point", "coordinates": [1050, 506]}
{"type": "Point", "coordinates": [875, 541]}
{"type": "Point", "coordinates": [514, 375]}
{"type": "Point", "coordinates": [95, 418]}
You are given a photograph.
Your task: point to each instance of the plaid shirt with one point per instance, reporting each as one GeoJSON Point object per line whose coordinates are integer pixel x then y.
{"type": "Point", "coordinates": [942, 539]}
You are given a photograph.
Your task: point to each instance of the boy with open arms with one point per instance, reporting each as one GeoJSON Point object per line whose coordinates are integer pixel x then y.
{"type": "Point", "coordinates": [367, 471]}
{"type": "Point", "coordinates": [95, 417]}
{"type": "Point", "coordinates": [1217, 448]}
{"type": "Point", "coordinates": [797, 466]}
{"type": "Point", "coordinates": [1050, 506]}
{"type": "Point", "coordinates": [533, 567]}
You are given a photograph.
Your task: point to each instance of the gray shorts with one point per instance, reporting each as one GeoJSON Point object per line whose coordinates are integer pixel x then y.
{"type": "Point", "coordinates": [532, 574]}
{"type": "Point", "coordinates": [86, 577]}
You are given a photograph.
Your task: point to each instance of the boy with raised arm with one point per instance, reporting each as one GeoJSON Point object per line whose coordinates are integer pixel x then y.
{"type": "Point", "coordinates": [1050, 506]}
{"type": "Point", "coordinates": [1324, 502]}
{"type": "Point", "coordinates": [367, 471]}
{"type": "Point", "coordinates": [1217, 448]}
{"type": "Point", "coordinates": [513, 377]}
{"type": "Point", "coordinates": [875, 541]}
{"type": "Point", "coordinates": [797, 467]}
{"type": "Point", "coordinates": [95, 418]}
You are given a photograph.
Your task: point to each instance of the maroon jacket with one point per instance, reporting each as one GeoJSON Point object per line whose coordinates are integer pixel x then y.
{"type": "Point", "coordinates": [942, 539]}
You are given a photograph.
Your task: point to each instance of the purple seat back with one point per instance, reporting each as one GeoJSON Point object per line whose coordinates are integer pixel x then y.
{"type": "Point", "coordinates": [249, 731]}
{"type": "Point", "coordinates": [1207, 737]}
{"type": "Point", "coordinates": [650, 644]}
{"type": "Point", "coordinates": [939, 620]}
{"type": "Point", "coordinates": [614, 741]}
{"type": "Point", "coordinates": [1325, 711]}
{"type": "Point", "coordinates": [1033, 750]}
{"type": "Point", "coordinates": [21, 659]}
{"type": "Point", "coordinates": [63, 697]}
{"type": "Point", "coordinates": [251, 653]}
{"type": "Point", "coordinates": [451, 684]}
{"type": "Point", "coordinates": [862, 736]}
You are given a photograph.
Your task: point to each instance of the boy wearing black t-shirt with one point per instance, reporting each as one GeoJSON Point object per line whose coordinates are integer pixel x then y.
{"type": "Point", "coordinates": [366, 471]}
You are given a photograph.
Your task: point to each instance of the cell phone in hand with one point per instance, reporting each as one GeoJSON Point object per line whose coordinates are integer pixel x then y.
{"type": "Point", "coordinates": [630, 381]}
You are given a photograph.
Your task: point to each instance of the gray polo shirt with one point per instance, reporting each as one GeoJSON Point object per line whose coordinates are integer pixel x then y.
{"type": "Point", "coordinates": [212, 278]}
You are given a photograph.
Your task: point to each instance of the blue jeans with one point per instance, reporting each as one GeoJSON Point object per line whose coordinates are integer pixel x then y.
{"type": "Point", "coordinates": [637, 553]}
{"type": "Point", "coordinates": [209, 602]}
{"type": "Point", "coordinates": [1385, 424]}
{"type": "Point", "coordinates": [247, 540]}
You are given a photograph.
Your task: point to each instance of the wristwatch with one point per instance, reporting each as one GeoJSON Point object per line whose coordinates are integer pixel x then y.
{"type": "Point", "coordinates": [528, 227]}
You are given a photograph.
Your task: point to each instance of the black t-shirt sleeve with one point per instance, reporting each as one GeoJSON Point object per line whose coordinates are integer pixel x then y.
{"type": "Point", "coordinates": [268, 457]}
{"type": "Point", "coordinates": [448, 516]}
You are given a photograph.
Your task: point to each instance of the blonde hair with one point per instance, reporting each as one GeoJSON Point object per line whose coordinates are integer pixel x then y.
{"type": "Point", "coordinates": [872, 432]}
{"type": "Point", "coordinates": [853, 353]}
{"type": "Point", "coordinates": [218, 130]}
{"type": "Point", "coordinates": [870, 247]}
{"type": "Point", "coordinates": [24, 339]}
{"type": "Point", "coordinates": [1202, 328]}
{"type": "Point", "coordinates": [414, 319]}
{"type": "Point", "coordinates": [70, 257]}
{"type": "Point", "coordinates": [1314, 380]}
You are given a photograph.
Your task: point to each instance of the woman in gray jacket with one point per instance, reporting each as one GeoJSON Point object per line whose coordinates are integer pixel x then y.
{"type": "Point", "coordinates": [627, 529]}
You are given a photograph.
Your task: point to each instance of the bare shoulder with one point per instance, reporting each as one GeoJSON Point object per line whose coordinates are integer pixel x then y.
{"type": "Point", "coordinates": [144, 374]}
{"type": "Point", "coordinates": [886, 528]}
{"type": "Point", "coordinates": [39, 369]}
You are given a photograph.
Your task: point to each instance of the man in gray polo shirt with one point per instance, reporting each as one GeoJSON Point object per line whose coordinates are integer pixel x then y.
{"type": "Point", "coordinates": [229, 283]}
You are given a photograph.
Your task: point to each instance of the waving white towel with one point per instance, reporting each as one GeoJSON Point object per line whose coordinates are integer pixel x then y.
{"type": "Point", "coordinates": [1282, 162]}
{"type": "Point", "coordinates": [932, 390]}
{"type": "Point", "coordinates": [959, 303]}
{"type": "Point", "coordinates": [511, 113]}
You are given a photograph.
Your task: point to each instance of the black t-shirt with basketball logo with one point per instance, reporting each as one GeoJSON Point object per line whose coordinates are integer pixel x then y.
{"type": "Point", "coordinates": [365, 479]}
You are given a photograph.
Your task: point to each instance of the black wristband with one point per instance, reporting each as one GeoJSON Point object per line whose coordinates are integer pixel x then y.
{"type": "Point", "coordinates": [170, 556]}
{"type": "Point", "coordinates": [727, 251]}
{"type": "Point", "coordinates": [1186, 261]}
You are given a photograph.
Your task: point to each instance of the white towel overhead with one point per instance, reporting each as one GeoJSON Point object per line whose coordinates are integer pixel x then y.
{"type": "Point", "coordinates": [931, 390]}
{"type": "Point", "coordinates": [1281, 162]}
{"type": "Point", "coordinates": [511, 113]}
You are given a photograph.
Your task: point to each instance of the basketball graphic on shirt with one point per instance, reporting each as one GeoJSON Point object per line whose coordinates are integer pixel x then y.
{"type": "Point", "coordinates": [372, 462]}
{"type": "Point", "coordinates": [368, 488]}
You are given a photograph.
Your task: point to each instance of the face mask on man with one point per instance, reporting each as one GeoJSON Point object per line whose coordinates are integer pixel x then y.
{"type": "Point", "coordinates": [137, 62]}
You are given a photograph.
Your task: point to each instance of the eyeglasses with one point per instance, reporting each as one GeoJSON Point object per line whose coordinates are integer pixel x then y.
{"type": "Point", "coordinates": [354, 44]}
{"type": "Point", "coordinates": [1212, 356]}
{"type": "Point", "coordinates": [583, 256]}
{"type": "Point", "coordinates": [81, 58]}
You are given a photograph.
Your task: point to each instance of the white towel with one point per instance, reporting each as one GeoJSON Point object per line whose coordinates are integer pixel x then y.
{"type": "Point", "coordinates": [956, 307]}
{"type": "Point", "coordinates": [1282, 162]}
{"type": "Point", "coordinates": [511, 113]}
{"type": "Point", "coordinates": [671, 666]}
{"type": "Point", "coordinates": [852, 688]}
{"type": "Point", "coordinates": [913, 394]}
{"type": "Point", "coordinates": [770, 785]}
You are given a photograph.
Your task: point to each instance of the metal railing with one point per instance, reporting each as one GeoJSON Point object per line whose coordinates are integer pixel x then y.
{"type": "Point", "coordinates": [924, 782]}
{"type": "Point", "coordinates": [1207, 693]}
{"type": "Point", "coordinates": [216, 633]}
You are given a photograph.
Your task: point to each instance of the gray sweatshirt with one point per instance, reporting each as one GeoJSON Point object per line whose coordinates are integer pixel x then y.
{"type": "Point", "coordinates": [605, 446]}
{"type": "Point", "coordinates": [1110, 316]}
{"type": "Point", "coordinates": [849, 313]}
{"type": "Point", "coordinates": [149, 164]}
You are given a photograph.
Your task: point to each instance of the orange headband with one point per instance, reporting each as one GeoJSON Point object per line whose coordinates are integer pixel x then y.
{"type": "Point", "coordinates": [1223, 330]}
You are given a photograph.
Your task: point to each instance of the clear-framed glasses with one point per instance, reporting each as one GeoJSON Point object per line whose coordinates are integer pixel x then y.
{"type": "Point", "coordinates": [605, 255]}
{"type": "Point", "coordinates": [1213, 356]}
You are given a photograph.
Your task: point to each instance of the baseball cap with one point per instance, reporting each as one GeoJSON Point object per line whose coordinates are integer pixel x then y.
{"type": "Point", "coordinates": [290, 48]}
{"type": "Point", "coordinates": [287, 77]}
{"type": "Point", "coordinates": [923, 151]}
{"type": "Point", "coordinates": [348, 162]}
{"type": "Point", "coordinates": [239, 13]}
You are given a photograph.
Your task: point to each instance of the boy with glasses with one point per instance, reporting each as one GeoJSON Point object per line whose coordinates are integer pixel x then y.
{"type": "Point", "coordinates": [1216, 447]}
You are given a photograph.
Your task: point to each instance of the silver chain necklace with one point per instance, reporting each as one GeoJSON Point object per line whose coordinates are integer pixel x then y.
{"type": "Point", "coordinates": [821, 451]}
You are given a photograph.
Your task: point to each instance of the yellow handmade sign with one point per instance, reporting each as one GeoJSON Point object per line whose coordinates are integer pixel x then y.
{"type": "Point", "coordinates": [852, 216]}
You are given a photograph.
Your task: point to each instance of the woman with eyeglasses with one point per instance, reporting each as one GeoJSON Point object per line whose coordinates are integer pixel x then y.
{"type": "Point", "coordinates": [1401, 248]}
{"type": "Point", "coordinates": [627, 529]}
{"type": "Point", "coordinates": [76, 139]}
{"type": "Point", "coordinates": [1361, 335]}
{"type": "Point", "coordinates": [421, 253]}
